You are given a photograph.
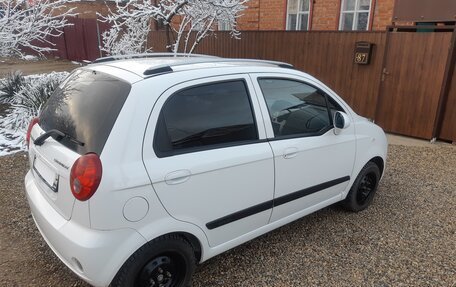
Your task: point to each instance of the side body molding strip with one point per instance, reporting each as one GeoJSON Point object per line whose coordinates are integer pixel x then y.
{"type": "Point", "coordinates": [272, 203]}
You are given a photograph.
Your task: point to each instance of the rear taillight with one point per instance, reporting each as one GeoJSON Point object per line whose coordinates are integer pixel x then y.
{"type": "Point", "coordinates": [29, 130]}
{"type": "Point", "coordinates": [85, 176]}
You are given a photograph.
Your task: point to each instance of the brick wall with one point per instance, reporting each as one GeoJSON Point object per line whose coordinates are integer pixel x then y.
{"type": "Point", "coordinates": [383, 14]}
{"type": "Point", "coordinates": [325, 14]}
{"type": "Point", "coordinates": [272, 14]}
{"type": "Point", "coordinates": [264, 15]}
{"type": "Point", "coordinates": [249, 18]}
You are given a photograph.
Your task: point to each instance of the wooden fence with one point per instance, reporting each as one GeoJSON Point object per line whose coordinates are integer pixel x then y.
{"type": "Point", "coordinates": [402, 88]}
{"type": "Point", "coordinates": [325, 55]}
{"type": "Point", "coordinates": [79, 41]}
{"type": "Point", "coordinates": [409, 86]}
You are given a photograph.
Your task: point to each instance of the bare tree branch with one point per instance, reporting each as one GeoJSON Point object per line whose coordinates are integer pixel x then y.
{"type": "Point", "coordinates": [198, 18]}
{"type": "Point", "coordinates": [29, 27]}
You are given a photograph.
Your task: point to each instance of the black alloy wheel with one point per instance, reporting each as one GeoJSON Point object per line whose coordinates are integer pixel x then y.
{"type": "Point", "coordinates": [167, 261]}
{"type": "Point", "coordinates": [363, 189]}
{"type": "Point", "coordinates": [366, 186]}
{"type": "Point", "coordinates": [167, 270]}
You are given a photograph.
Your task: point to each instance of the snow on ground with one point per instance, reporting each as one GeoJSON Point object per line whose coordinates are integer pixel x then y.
{"type": "Point", "coordinates": [30, 58]}
{"type": "Point", "coordinates": [11, 141]}
{"type": "Point", "coordinates": [15, 118]}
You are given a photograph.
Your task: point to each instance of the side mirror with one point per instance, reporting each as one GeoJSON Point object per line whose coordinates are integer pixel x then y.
{"type": "Point", "coordinates": [341, 121]}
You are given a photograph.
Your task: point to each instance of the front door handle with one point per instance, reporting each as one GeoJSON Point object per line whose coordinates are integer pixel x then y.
{"type": "Point", "coordinates": [290, 152]}
{"type": "Point", "coordinates": [178, 176]}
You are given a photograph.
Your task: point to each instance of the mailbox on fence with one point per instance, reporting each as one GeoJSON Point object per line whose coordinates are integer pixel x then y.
{"type": "Point", "coordinates": [363, 51]}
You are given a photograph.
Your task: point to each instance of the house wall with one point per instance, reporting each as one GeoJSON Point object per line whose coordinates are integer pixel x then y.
{"type": "Point", "coordinates": [383, 14]}
{"type": "Point", "coordinates": [325, 15]}
{"type": "Point", "coordinates": [264, 15]}
{"type": "Point", "coordinates": [271, 15]}
{"type": "Point", "coordinates": [250, 17]}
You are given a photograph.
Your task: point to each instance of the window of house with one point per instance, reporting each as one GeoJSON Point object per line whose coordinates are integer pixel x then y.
{"type": "Point", "coordinates": [225, 26]}
{"type": "Point", "coordinates": [354, 14]}
{"type": "Point", "coordinates": [298, 14]}
{"type": "Point", "coordinates": [205, 117]}
{"type": "Point", "coordinates": [295, 108]}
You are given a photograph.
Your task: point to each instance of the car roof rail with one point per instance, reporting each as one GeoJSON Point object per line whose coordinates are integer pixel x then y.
{"type": "Point", "coordinates": [148, 55]}
{"type": "Point", "coordinates": [168, 68]}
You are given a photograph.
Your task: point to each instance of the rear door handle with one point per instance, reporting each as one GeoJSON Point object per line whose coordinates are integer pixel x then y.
{"type": "Point", "coordinates": [177, 177]}
{"type": "Point", "coordinates": [290, 152]}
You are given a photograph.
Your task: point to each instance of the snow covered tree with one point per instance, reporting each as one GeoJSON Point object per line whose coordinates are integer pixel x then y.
{"type": "Point", "coordinates": [189, 21]}
{"type": "Point", "coordinates": [25, 26]}
{"type": "Point", "coordinates": [23, 97]}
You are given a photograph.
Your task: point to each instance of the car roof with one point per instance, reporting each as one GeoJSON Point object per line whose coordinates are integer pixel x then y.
{"type": "Point", "coordinates": [153, 64]}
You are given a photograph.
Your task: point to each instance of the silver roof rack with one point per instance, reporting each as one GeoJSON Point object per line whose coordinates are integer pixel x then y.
{"type": "Point", "coordinates": [168, 68]}
{"type": "Point", "coordinates": [149, 55]}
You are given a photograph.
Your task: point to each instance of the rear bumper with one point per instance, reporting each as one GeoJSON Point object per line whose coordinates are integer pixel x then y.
{"type": "Point", "coordinates": [93, 255]}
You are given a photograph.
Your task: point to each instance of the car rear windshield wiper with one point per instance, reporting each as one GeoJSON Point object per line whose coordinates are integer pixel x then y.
{"type": "Point", "coordinates": [58, 137]}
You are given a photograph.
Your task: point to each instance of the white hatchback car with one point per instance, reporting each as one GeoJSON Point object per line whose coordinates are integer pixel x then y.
{"type": "Point", "coordinates": [142, 167]}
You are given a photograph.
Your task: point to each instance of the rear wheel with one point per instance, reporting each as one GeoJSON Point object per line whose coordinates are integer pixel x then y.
{"type": "Point", "coordinates": [167, 261]}
{"type": "Point", "coordinates": [363, 190]}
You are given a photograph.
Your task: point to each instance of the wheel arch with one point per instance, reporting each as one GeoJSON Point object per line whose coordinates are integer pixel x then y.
{"type": "Point", "coordinates": [379, 162]}
{"type": "Point", "coordinates": [376, 158]}
{"type": "Point", "coordinates": [369, 152]}
{"type": "Point", "coordinates": [192, 239]}
{"type": "Point", "coordinates": [167, 226]}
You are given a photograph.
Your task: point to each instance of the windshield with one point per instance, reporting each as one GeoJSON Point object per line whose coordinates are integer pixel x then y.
{"type": "Point", "coordinates": [85, 107]}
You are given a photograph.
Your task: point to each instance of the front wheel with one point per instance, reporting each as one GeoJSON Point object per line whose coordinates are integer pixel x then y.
{"type": "Point", "coordinates": [167, 261]}
{"type": "Point", "coordinates": [363, 190]}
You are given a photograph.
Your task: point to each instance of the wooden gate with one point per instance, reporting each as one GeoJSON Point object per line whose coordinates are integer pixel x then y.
{"type": "Point", "coordinates": [412, 78]}
{"type": "Point", "coordinates": [81, 39]}
{"type": "Point", "coordinates": [448, 130]}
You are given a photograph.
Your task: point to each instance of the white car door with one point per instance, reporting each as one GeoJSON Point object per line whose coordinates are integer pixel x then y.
{"type": "Point", "coordinates": [313, 165]}
{"type": "Point", "coordinates": [208, 159]}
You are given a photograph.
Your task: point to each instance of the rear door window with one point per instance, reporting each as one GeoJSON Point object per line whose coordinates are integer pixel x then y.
{"type": "Point", "coordinates": [85, 106]}
{"type": "Point", "coordinates": [205, 117]}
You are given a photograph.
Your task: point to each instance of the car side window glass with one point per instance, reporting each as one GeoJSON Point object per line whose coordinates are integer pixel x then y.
{"type": "Point", "coordinates": [295, 108]}
{"type": "Point", "coordinates": [205, 116]}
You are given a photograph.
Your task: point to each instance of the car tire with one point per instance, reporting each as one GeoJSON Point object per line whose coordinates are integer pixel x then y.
{"type": "Point", "coordinates": [167, 261]}
{"type": "Point", "coordinates": [363, 189]}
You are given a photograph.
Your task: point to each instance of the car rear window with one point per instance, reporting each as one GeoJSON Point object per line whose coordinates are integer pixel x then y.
{"type": "Point", "coordinates": [85, 106]}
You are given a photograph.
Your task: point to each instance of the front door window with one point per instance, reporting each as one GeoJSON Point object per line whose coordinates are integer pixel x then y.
{"type": "Point", "coordinates": [295, 108]}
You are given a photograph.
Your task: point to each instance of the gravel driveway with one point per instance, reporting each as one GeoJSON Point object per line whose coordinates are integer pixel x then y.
{"type": "Point", "coordinates": [406, 238]}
